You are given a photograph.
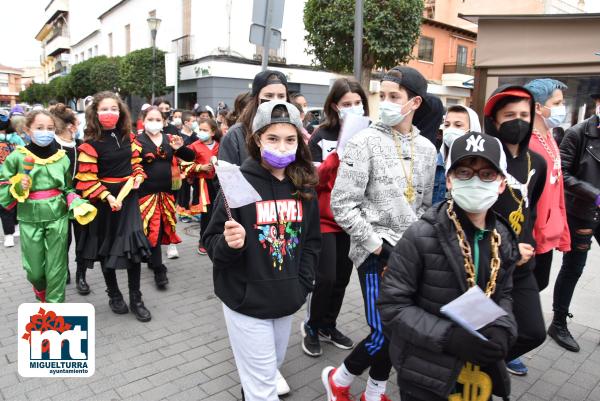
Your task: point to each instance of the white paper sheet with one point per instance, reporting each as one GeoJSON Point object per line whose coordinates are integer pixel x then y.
{"type": "Point", "coordinates": [352, 125]}
{"type": "Point", "coordinates": [472, 311]}
{"type": "Point", "coordinates": [235, 187]}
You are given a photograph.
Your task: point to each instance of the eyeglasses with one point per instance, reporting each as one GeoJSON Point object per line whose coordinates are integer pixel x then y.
{"type": "Point", "coordinates": [466, 173]}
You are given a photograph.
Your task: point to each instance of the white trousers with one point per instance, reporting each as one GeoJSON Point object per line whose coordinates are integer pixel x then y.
{"type": "Point", "coordinates": [259, 347]}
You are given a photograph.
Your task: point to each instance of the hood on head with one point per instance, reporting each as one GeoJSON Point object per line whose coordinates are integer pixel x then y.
{"type": "Point", "coordinates": [488, 121]}
{"type": "Point", "coordinates": [474, 124]}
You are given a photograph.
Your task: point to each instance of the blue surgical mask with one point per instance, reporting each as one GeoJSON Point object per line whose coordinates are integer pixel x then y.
{"type": "Point", "coordinates": [42, 138]}
{"type": "Point", "coordinates": [194, 125]}
{"type": "Point", "coordinates": [557, 116]}
{"type": "Point", "coordinates": [390, 113]}
{"type": "Point", "coordinates": [356, 110]}
{"type": "Point", "coordinates": [203, 136]}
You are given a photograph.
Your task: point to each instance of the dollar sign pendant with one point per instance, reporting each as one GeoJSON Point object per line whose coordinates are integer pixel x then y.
{"type": "Point", "coordinates": [477, 385]}
{"type": "Point", "coordinates": [516, 218]}
{"type": "Point", "coordinates": [409, 194]}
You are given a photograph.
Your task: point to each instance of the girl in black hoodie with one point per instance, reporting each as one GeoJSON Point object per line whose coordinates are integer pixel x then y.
{"type": "Point", "coordinates": [264, 256]}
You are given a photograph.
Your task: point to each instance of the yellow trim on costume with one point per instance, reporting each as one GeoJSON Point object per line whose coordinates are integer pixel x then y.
{"type": "Point", "coordinates": [149, 214]}
{"type": "Point", "coordinates": [86, 176]}
{"type": "Point", "coordinates": [135, 146]}
{"type": "Point", "coordinates": [84, 213]}
{"type": "Point", "coordinates": [85, 158]}
{"type": "Point", "coordinates": [104, 195]}
{"type": "Point", "coordinates": [89, 191]}
{"type": "Point", "coordinates": [14, 181]}
{"type": "Point", "coordinates": [125, 189]}
{"type": "Point", "coordinates": [38, 160]}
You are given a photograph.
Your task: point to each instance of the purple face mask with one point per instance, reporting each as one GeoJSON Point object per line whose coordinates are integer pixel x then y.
{"type": "Point", "coordinates": [277, 159]}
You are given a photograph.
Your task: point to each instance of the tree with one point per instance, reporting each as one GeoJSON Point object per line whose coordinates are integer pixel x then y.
{"type": "Point", "coordinates": [104, 74]}
{"type": "Point", "coordinates": [81, 82]}
{"type": "Point", "coordinates": [390, 31]}
{"type": "Point", "coordinates": [135, 73]}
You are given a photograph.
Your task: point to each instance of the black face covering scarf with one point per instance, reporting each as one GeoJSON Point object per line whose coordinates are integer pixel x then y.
{"type": "Point", "coordinates": [513, 131]}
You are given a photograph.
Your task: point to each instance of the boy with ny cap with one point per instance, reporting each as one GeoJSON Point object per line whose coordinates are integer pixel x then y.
{"type": "Point", "coordinates": [457, 244]}
{"type": "Point", "coordinates": [384, 184]}
{"type": "Point", "coordinates": [509, 116]}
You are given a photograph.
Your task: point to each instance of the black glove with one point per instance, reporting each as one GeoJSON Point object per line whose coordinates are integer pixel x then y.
{"type": "Point", "coordinates": [498, 336]}
{"type": "Point", "coordinates": [468, 347]}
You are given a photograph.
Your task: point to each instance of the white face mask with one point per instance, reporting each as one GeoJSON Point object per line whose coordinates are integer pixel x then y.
{"type": "Point", "coordinates": [356, 110]}
{"type": "Point", "coordinates": [474, 195]}
{"type": "Point", "coordinates": [557, 116]}
{"type": "Point", "coordinates": [177, 121]}
{"type": "Point", "coordinates": [450, 134]}
{"type": "Point", "coordinates": [153, 127]}
{"type": "Point", "coordinates": [391, 113]}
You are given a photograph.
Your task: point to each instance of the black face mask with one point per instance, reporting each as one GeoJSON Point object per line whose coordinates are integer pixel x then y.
{"type": "Point", "coordinates": [166, 115]}
{"type": "Point", "coordinates": [513, 131]}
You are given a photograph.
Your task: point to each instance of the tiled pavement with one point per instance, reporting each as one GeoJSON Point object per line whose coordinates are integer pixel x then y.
{"type": "Point", "coordinates": [183, 353]}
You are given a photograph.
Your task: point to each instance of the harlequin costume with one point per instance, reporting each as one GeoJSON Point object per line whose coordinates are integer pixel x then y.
{"type": "Point", "coordinates": [157, 200]}
{"type": "Point", "coordinates": [188, 184]}
{"type": "Point", "coordinates": [43, 212]}
{"type": "Point", "coordinates": [207, 182]}
{"type": "Point", "coordinates": [108, 166]}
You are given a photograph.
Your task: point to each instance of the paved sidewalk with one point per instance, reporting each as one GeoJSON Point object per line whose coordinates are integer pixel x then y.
{"type": "Point", "coordinates": [183, 353]}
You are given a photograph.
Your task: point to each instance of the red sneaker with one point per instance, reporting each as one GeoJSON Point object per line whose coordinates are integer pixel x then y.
{"type": "Point", "coordinates": [384, 397]}
{"type": "Point", "coordinates": [201, 250]}
{"type": "Point", "coordinates": [334, 393]}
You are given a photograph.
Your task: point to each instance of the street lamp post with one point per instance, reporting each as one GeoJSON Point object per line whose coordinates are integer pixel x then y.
{"type": "Point", "coordinates": [153, 24]}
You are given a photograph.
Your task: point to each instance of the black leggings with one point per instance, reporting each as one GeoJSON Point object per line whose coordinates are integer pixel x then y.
{"type": "Point", "coordinates": [133, 279]}
{"type": "Point", "coordinates": [9, 220]}
{"type": "Point", "coordinates": [332, 277]}
{"type": "Point", "coordinates": [543, 263]}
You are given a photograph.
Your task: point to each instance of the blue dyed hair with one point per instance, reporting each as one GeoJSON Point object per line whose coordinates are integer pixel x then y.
{"type": "Point", "coordinates": [542, 89]}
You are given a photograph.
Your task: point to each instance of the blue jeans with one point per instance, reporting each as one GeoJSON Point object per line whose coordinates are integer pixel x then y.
{"type": "Point", "coordinates": [574, 261]}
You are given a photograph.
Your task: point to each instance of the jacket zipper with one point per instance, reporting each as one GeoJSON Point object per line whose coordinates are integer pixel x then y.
{"type": "Point", "coordinates": [592, 154]}
{"type": "Point", "coordinates": [116, 140]}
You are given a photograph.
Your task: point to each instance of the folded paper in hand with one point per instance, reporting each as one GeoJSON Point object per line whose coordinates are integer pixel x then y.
{"type": "Point", "coordinates": [472, 311]}
{"type": "Point", "coordinates": [237, 190]}
{"type": "Point", "coordinates": [352, 125]}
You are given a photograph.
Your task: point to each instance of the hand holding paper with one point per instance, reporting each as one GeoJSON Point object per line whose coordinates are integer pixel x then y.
{"type": "Point", "coordinates": [236, 190]}
{"type": "Point", "coordinates": [472, 311]}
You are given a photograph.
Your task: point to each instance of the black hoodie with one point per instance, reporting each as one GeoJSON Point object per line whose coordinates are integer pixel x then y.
{"type": "Point", "coordinates": [517, 168]}
{"type": "Point", "coordinates": [265, 280]}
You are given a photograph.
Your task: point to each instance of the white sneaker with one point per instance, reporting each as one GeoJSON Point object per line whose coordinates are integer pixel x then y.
{"type": "Point", "coordinates": [9, 241]}
{"type": "Point", "coordinates": [17, 233]}
{"type": "Point", "coordinates": [172, 251]}
{"type": "Point", "coordinates": [282, 387]}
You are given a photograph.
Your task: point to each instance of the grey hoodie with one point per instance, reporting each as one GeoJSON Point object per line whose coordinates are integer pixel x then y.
{"type": "Point", "coordinates": [368, 199]}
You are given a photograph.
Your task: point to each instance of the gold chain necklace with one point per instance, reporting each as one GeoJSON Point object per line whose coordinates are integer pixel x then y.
{"type": "Point", "coordinates": [551, 152]}
{"type": "Point", "coordinates": [516, 218]}
{"type": "Point", "coordinates": [465, 249]}
{"type": "Point", "coordinates": [409, 192]}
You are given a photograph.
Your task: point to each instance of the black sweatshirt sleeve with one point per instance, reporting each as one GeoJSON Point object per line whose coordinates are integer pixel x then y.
{"type": "Point", "coordinates": [213, 239]}
{"type": "Point", "coordinates": [230, 148]}
{"type": "Point", "coordinates": [186, 154]}
{"type": "Point", "coordinates": [315, 150]}
{"type": "Point", "coordinates": [311, 248]}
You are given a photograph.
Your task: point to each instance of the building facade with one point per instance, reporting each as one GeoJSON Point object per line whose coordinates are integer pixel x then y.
{"type": "Point", "coordinates": [10, 85]}
{"type": "Point", "coordinates": [55, 39]}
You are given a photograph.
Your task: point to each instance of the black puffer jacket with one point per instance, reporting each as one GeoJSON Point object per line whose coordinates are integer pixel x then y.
{"type": "Point", "coordinates": [426, 272]}
{"type": "Point", "coordinates": [580, 159]}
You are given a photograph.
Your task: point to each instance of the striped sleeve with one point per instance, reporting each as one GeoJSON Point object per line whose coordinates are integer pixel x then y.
{"type": "Point", "coordinates": [136, 157]}
{"type": "Point", "coordinates": [87, 174]}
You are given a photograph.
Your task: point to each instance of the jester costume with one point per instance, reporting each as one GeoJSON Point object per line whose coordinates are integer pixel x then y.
{"type": "Point", "coordinates": [157, 200]}
{"type": "Point", "coordinates": [43, 212]}
{"type": "Point", "coordinates": [109, 166]}
{"type": "Point", "coordinates": [207, 182]}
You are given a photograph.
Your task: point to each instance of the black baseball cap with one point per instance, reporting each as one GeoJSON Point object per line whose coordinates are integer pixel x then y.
{"type": "Point", "coordinates": [476, 144]}
{"type": "Point", "coordinates": [409, 78]}
{"type": "Point", "coordinates": [262, 79]}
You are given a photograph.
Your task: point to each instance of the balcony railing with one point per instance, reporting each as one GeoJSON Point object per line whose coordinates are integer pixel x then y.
{"type": "Point", "coordinates": [453, 68]}
{"type": "Point", "coordinates": [183, 48]}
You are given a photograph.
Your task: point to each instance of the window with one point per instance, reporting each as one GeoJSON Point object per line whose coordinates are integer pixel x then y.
{"type": "Point", "coordinates": [461, 55]}
{"type": "Point", "coordinates": [76, 59]}
{"type": "Point", "coordinates": [90, 54]}
{"type": "Point", "coordinates": [127, 39]}
{"type": "Point", "coordinates": [81, 56]}
{"type": "Point", "coordinates": [110, 45]}
{"type": "Point", "coordinates": [96, 50]}
{"type": "Point", "coordinates": [3, 80]}
{"type": "Point", "coordinates": [425, 49]}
